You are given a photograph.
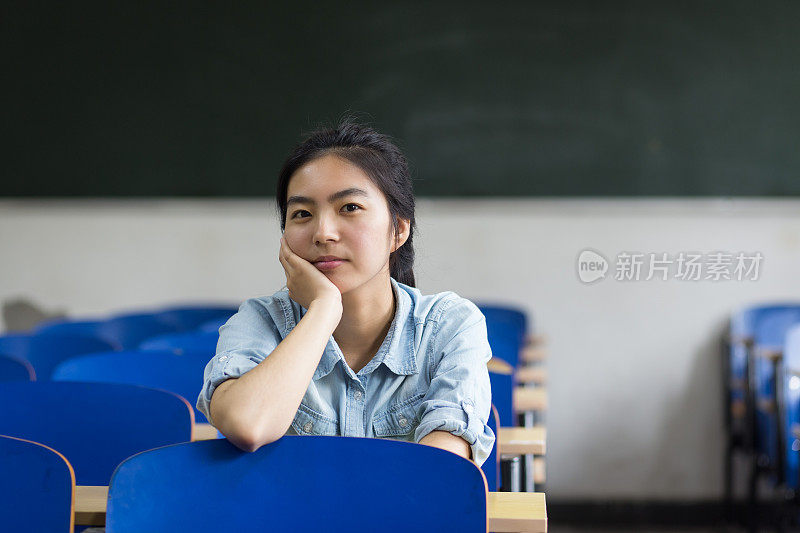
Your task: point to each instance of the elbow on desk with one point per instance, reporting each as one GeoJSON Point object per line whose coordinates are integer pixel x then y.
{"type": "Point", "coordinates": [249, 438]}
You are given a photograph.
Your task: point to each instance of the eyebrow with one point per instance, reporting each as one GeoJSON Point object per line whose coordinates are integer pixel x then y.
{"type": "Point", "coordinates": [352, 191]}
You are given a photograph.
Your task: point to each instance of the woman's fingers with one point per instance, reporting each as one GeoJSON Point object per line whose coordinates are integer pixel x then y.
{"type": "Point", "coordinates": [284, 259]}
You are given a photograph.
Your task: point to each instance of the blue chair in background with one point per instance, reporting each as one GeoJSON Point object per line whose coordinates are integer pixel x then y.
{"type": "Point", "coordinates": [491, 467]}
{"type": "Point", "coordinates": [791, 410]}
{"type": "Point", "coordinates": [191, 317]}
{"type": "Point", "coordinates": [502, 397]}
{"type": "Point", "coordinates": [124, 332]}
{"type": "Point", "coordinates": [36, 489]}
{"type": "Point", "coordinates": [193, 341]}
{"type": "Point", "coordinates": [504, 346]}
{"type": "Point", "coordinates": [770, 326]}
{"type": "Point", "coordinates": [94, 425]}
{"type": "Point", "coordinates": [505, 320]}
{"type": "Point", "coordinates": [299, 484]}
{"type": "Point", "coordinates": [212, 325]}
{"type": "Point", "coordinates": [180, 374]}
{"type": "Point", "coordinates": [44, 352]}
{"type": "Point", "coordinates": [14, 369]}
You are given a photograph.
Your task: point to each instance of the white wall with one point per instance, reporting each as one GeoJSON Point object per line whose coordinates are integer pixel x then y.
{"type": "Point", "coordinates": [635, 401]}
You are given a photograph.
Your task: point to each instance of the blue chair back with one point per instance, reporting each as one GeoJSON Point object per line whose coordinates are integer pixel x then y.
{"type": "Point", "coordinates": [502, 397]}
{"type": "Point", "coordinates": [507, 318]}
{"type": "Point", "coordinates": [491, 467]}
{"type": "Point", "coordinates": [505, 347]}
{"type": "Point", "coordinates": [95, 425]}
{"type": "Point", "coordinates": [193, 341]}
{"type": "Point", "coordinates": [180, 374]}
{"type": "Point", "coordinates": [192, 317]}
{"type": "Point", "coordinates": [123, 332]}
{"type": "Point", "coordinates": [301, 484]}
{"type": "Point", "coordinates": [36, 488]}
{"type": "Point", "coordinates": [13, 369]}
{"type": "Point", "coordinates": [791, 410]}
{"type": "Point", "coordinates": [44, 352]}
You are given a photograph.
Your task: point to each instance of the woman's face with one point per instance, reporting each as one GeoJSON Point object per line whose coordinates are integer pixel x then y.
{"type": "Point", "coordinates": [334, 209]}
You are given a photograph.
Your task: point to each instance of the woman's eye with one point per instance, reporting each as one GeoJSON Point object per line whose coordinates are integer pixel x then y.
{"type": "Point", "coordinates": [347, 206]}
{"type": "Point", "coordinates": [297, 213]}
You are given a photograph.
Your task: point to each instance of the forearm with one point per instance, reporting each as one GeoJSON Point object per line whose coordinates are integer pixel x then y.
{"type": "Point", "coordinates": [258, 407]}
{"type": "Point", "coordinates": [448, 441]}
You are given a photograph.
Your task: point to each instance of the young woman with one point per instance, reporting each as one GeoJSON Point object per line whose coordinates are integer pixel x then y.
{"type": "Point", "coordinates": [351, 347]}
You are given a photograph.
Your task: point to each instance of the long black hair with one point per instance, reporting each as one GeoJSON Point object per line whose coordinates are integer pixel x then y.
{"type": "Point", "coordinates": [380, 159]}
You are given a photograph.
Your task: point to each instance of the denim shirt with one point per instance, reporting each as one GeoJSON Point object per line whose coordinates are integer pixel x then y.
{"type": "Point", "coordinates": [429, 373]}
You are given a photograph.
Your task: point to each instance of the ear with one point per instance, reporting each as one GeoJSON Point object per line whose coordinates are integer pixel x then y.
{"type": "Point", "coordinates": [403, 230]}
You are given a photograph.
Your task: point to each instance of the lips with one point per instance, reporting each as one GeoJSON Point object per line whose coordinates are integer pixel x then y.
{"type": "Point", "coordinates": [327, 258]}
{"type": "Point", "coordinates": [327, 262]}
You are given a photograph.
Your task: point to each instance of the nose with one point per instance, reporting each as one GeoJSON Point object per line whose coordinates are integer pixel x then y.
{"type": "Point", "coordinates": [326, 230]}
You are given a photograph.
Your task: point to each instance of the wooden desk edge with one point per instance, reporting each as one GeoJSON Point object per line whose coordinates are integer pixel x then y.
{"type": "Point", "coordinates": [529, 399]}
{"type": "Point", "coordinates": [521, 441]}
{"type": "Point", "coordinates": [90, 505]}
{"type": "Point", "coordinates": [523, 512]}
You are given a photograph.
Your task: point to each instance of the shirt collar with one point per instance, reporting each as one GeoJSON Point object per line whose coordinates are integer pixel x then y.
{"type": "Point", "coordinates": [397, 350]}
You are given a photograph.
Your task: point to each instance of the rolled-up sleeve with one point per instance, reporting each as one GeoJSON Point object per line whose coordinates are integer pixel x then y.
{"type": "Point", "coordinates": [245, 340]}
{"type": "Point", "coordinates": [459, 397]}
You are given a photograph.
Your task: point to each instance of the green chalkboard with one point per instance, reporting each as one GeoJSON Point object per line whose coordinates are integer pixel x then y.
{"type": "Point", "coordinates": [487, 99]}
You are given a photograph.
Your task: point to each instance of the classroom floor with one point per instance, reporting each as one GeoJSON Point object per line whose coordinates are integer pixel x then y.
{"type": "Point", "coordinates": [570, 529]}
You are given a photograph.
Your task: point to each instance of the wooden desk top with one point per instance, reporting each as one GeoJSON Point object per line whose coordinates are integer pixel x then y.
{"type": "Point", "coordinates": [90, 505]}
{"type": "Point", "coordinates": [522, 440]}
{"type": "Point", "coordinates": [202, 431]}
{"type": "Point", "coordinates": [533, 354]}
{"type": "Point", "coordinates": [530, 399]}
{"type": "Point", "coordinates": [531, 374]}
{"type": "Point", "coordinates": [517, 511]}
{"type": "Point", "coordinates": [508, 511]}
{"type": "Point", "coordinates": [498, 366]}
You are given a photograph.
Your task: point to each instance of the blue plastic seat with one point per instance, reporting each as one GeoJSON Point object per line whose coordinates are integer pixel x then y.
{"type": "Point", "coordinates": [94, 425]}
{"type": "Point", "coordinates": [191, 317]}
{"type": "Point", "coordinates": [193, 341]}
{"type": "Point", "coordinates": [36, 488]}
{"type": "Point", "coordinates": [44, 352]}
{"type": "Point", "coordinates": [180, 374]}
{"type": "Point", "coordinates": [298, 484]}
{"type": "Point", "coordinates": [14, 369]}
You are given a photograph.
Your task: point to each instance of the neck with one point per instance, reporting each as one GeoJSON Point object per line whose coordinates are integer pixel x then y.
{"type": "Point", "coordinates": [367, 314]}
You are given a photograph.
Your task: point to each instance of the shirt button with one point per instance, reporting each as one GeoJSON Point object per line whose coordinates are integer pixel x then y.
{"type": "Point", "coordinates": [358, 395]}
{"type": "Point", "coordinates": [308, 427]}
{"type": "Point", "coordinates": [403, 422]}
{"type": "Point", "coordinates": [468, 408]}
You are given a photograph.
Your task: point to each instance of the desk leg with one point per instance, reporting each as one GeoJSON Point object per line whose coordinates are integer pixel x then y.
{"type": "Point", "coordinates": [529, 418]}
{"type": "Point", "coordinates": [529, 474]}
{"type": "Point", "coordinates": [511, 473]}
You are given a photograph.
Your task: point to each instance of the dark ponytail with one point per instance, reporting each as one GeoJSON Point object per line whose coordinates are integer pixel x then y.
{"type": "Point", "coordinates": [381, 160]}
